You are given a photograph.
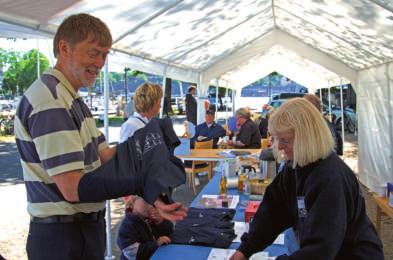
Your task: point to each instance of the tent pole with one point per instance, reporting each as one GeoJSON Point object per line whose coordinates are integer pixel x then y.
{"type": "Point", "coordinates": [181, 89]}
{"type": "Point", "coordinates": [38, 58]}
{"type": "Point", "coordinates": [109, 255]}
{"type": "Point", "coordinates": [342, 113]}
{"type": "Point", "coordinates": [330, 103]}
{"type": "Point", "coordinates": [390, 114]}
{"type": "Point", "coordinates": [233, 101]}
{"type": "Point", "coordinates": [163, 91]}
{"type": "Point", "coordinates": [226, 105]}
{"type": "Point", "coordinates": [106, 127]}
{"type": "Point", "coordinates": [216, 114]}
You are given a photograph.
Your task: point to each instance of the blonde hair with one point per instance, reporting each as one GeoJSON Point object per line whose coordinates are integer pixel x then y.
{"type": "Point", "coordinates": [77, 28]}
{"type": "Point", "coordinates": [315, 100]}
{"type": "Point", "coordinates": [312, 138]}
{"type": "Point", "coordinates": [146, 96]}
{"type": "Point", "coordinates": [243, 112]}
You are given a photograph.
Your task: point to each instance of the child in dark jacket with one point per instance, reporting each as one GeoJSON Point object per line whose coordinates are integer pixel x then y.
{"type": "Point", "coordinates": [142, 230]}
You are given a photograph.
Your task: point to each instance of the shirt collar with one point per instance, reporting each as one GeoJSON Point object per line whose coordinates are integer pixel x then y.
{"type": "Point", "coordinates": [64, 81]}
{"type": "Point", "coordinates": [136, 114]}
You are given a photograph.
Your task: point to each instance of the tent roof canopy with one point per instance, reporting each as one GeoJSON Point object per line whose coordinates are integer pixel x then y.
{"type": "Point", "coordinates": [233, 41]}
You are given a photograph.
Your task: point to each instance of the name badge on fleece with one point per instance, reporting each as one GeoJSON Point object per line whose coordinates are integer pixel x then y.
{"type": "Point", "coordinates": [301, 208]}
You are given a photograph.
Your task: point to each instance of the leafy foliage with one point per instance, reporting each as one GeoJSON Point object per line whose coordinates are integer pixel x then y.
{"type": "Point", "coordinates": [22, 69]}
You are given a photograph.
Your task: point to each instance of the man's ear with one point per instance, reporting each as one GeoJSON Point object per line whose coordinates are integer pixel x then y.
{"type": "Point", "coordinates": [64, 48]}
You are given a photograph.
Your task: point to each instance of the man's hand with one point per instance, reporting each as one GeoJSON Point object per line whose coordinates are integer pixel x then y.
{"type": "Point", "coordinates": [164, 240]}
{"type": "Point", "coordinates": [155, 216]}
{"type": "Point", "coordinates": [172, 212]}
{"type": "Point", "coordinates": [238, 256]}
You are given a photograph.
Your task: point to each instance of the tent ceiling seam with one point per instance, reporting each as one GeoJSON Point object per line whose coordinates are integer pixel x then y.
{"type": "Point", "coordinates": [334, 35]}
{"type": "Point", "coordinates": [274, 14]}
{"type": "Point", "coordinates": [162, 62]}
{"type": "Point", "coordinates": [319, 50]}
{"type": "Point", "coordinates": [223, 56]}
{"type": "Point", "coordinates": [386, 7]}
{"type": "Point", "coordinates": [33, 27]}
{"type": "Point", "coordinates": [148, 19]}
{"type": "Point", "coordinates": [220, 34]}
{"type": "Point", "coordinates": [379, 64]}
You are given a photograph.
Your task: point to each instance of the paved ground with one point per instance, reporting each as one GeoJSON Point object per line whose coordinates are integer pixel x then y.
{"type": "Point", "coordinates": [14, 219]}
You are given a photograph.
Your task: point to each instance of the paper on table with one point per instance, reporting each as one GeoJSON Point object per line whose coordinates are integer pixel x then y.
{"type": "Point", "coordinates": [279, 240]}
{"type": "Point", "coordinates": [220, 254]}
{"type": "Point", "coordinates": [215, 201]}
{"type": "Point", "coordinates": [240, 228]}
{"type": "Point", "coordinates": [260, 256]}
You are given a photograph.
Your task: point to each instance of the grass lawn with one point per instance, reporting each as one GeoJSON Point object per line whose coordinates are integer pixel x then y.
{"type": "Point", "coordinates": [113, 121]}
{"type": "Point", "coordinates": [7, 138]}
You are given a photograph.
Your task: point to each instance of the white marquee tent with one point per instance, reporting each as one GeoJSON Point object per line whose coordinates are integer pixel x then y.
{"type": "Point", "coordinates": [316, 43]}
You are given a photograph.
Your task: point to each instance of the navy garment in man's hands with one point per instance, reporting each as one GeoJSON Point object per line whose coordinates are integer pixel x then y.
{"type": "Point", "coordinates": [142, 165]}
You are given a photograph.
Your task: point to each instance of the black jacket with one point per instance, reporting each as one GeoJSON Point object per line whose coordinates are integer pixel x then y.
{"type": "Point", "coordinates": [249, 135]}
{"type": "Point", "coordinates": [323, 202]}
{"type": "Point", "coordinates": [133, 229]}
{"type": "Point", "coordinates": [191, 109]}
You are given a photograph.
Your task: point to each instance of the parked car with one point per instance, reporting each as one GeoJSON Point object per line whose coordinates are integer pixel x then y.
{"type": "Point", "coordinates": [278, 99]}
{"type": "Point", "coordinates": [287, 95]}
{"type": "Point", "coordinates": [350, 122]}
{"type": "Point", "coordinates": [213, 103]}
{"type": "Point", "coordinates": [179, 104]}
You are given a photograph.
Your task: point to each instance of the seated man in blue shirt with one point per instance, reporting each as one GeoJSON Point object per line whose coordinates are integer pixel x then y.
{"type": "Point", "coordinates": [208, 130]}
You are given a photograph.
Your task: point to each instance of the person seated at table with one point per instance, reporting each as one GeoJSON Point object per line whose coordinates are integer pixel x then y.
{"type": "Point", "coordinates": [248, 135]}
{"type": "Point", "coordinates": [142, 230]}
{"type": "Point", "coordinates": [147, 103]}
{"type": "Point", "coordinates": [208, 130]}
{"type": "Point", "coordinates": [318, 194]}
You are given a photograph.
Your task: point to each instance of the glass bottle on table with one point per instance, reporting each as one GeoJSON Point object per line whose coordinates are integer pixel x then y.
{"type": "Point", "coordinates": [246, 183]}
{"type": "Point", "coordinates": [240, 181]}
{"type": "Point", "coordinates": [223, 180]}
{"type": "Point", "coordinates": [223, 184]}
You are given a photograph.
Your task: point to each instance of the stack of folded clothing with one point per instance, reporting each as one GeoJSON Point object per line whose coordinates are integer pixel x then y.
{"type": "Point", "coordinates": [205, 227]}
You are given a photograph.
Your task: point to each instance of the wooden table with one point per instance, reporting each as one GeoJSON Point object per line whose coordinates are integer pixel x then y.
{"type": "Point", "coordinates": [211, 154]}
{"type": "Point", "coordinates": [382, 207]}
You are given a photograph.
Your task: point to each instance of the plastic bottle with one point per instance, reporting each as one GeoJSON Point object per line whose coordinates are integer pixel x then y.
{"type": "Point", "coordinates": [240, 181]}
{"type": "Point", "coordinates": [223, 184]}
{"type": "Point", "coordinates": [246, 183]}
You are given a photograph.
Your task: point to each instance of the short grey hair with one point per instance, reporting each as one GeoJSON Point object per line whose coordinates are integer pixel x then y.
{"type": "Point", "coordinates": [243, 112]}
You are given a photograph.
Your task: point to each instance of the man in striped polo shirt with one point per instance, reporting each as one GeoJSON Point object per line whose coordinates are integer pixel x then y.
{"type": "Point", "coordinates": [67, 166]}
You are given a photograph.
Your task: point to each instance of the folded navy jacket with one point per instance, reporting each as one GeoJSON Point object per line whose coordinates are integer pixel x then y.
{"type": "Point", "coordinates": [219, 213]}
{"type": "Point", "coordinates": [205, 227]}
{"type": "Point", "coordinates": [143, 165]}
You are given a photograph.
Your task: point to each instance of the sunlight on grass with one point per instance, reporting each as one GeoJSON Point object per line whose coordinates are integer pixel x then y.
{"type": "Point", "coordinates": [7, 139]}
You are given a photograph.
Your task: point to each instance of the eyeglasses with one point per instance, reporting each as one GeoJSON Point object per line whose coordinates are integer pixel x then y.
{"type": "Point", "coordinates": [282, 141]}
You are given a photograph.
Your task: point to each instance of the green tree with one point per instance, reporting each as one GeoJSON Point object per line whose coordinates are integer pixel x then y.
{"type": "Point", "coordinates": [137, 74]}
{"type": "Point", "coordinates": [28, 74]}
{"type": "Point", "coordinates": [22, 70]}
{"type": "Point", "coordinates": [10, 59]}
